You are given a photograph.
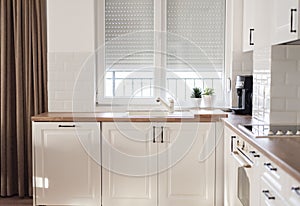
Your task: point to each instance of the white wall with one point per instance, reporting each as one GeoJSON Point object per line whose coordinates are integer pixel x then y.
{"type": "Point", "coordinates": [71, 41]}
{"type": "Point", "coordinates": [71, 25]}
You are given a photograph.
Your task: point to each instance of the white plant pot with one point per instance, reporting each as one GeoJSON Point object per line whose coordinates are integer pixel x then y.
{"type": "Point", "coordinates": [208, 100]}
{"type": "Point", "coordinates": [196, 102]}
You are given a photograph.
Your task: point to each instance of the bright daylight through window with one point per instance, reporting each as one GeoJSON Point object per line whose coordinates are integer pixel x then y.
{"type": "Point", "coordinates": [161, 48]}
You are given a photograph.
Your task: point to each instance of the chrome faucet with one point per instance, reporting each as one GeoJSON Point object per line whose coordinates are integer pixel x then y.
{"type": "Point", "coordinates": [169, 106]}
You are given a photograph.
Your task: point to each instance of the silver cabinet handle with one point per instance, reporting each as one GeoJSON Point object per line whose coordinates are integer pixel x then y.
{"type": "Point", "coordinates": [296, 190]}
{"type": "Point", "coordinates": [268, 195]}
{"type": "Point", "coordinates": [292, 21]}
{"type": "Point", "coordinates": [270, 167]}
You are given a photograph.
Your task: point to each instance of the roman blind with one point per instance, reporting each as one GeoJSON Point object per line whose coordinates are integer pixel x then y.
{"type": "Point", "coordinates": [129, 36]}
{"type": "Point", "coordinates": [195, 34]}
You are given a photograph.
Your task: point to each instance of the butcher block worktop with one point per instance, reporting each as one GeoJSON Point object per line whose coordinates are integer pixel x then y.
{"type": "Point", "coordinates": [202, 115]}
{"type": "Point", "coordinates": [283, 151]}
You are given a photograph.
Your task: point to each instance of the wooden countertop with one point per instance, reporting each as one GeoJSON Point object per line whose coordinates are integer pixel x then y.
{"type": "Point", "coordinates": [202, 115]}
{"type": "Point", "coordinates": [284, 152]}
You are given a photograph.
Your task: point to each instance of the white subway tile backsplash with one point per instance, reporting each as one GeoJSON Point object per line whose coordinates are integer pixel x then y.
{"type": "Point", "coordinates": [278, 78]}
{"type": "Point", "coordinates": [278, 104]}
{"type": "Point", "coordinates": [279, 52]}
{"type": "Point", "coordinates": [284, 91]}
{"type": "Point", "coordinates": [63, 71]}
{"type": "Point", "coordinates": [63, 95]}
{"type": "Point", "coordinates": [284, 66]}
{"type": "Point", "coordinates": [292, 105]}
{"type": "Point", "coordinates": [283, 117]}
{"type": "Point", "coordinates": [293, 52]}
{"type": "Point", "coordinates": [293, 78]}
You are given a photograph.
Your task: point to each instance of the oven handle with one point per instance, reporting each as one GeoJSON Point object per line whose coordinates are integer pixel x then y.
{"type": "Point", "coordinates": [242, 162]}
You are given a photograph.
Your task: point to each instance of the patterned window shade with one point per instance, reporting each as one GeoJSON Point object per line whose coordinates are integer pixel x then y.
{"type": "Point", "coordinates": [195, 34]}
{"type": "Point", "coordinates": [129, 36]}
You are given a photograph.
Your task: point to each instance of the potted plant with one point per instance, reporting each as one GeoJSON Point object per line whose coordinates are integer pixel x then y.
{"type": "Point", "coordinates": [196, 96]}
{"type": "Point", "coordinates": [208, 97]}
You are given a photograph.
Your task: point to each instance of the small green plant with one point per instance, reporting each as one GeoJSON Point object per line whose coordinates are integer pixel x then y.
{"type": "Point", "coordinates": [196, 93]}
{"type": "Point", "coordinates": [208, 91]}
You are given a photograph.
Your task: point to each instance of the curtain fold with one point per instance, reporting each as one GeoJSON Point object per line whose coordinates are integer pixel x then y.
{"type": "Point", "coordinates": [23, 93]}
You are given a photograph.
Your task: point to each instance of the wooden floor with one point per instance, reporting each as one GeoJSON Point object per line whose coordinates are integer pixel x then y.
{"type": "Point", "coordinates": [16, 201]}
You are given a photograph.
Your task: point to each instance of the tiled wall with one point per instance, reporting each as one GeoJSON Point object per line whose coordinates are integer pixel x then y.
{"type": "Point", "coordinates": [276, 84]}
{"type": "Point", "coordinates": [285, 84]}
{"type": "Point", "coordinates": [64, 69]}
{"type": "Point", "coordinates": [261, 83]}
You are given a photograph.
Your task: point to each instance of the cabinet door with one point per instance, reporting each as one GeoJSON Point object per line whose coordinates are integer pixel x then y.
{"type": "Point", "coordinates": [263, 21]}
{"type": "Point", "coordinates": [129, 164]}
{"type": "Point", "coordinates": [66, 171]}
{"type": "Point", "coordinates": [248, 25]}
{"type": "Point", "coordinates": [286, 14]}
{"type": "Point", "coordinates": [269, 196]}
{"type": "Point", "coordinates": [187, 164]}
{"type": "Point", "coordinates": [230, 171]}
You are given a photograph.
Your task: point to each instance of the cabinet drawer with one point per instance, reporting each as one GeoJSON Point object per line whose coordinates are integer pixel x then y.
{"type": "Point", "coordinates": [269, 195]}
{"type": "Point", "coordinates": [292, 191]}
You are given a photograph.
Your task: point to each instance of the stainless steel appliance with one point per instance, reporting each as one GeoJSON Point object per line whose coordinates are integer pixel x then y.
{"type": "Point", "coordinates": [245, 157]}
{"type": "Point", "coordinates": [271, 130]}
{"type": "Point", "coordinates": [244, 88]}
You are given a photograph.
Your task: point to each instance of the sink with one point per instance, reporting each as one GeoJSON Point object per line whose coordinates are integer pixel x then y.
{"type": "Point", "coordinates": [160, 113]}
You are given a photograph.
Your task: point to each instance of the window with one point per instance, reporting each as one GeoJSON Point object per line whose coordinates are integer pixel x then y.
{"type": "Point", "coordinates": [160, 48]}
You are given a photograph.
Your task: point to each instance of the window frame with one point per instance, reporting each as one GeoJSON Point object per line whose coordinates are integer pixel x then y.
{"type": "Point", "coordinates": [160, 45]}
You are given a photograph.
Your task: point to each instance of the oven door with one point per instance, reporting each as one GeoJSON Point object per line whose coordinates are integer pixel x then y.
{"type": "Point", "coordinates": [243, 186]}
{"type": "Point", "coordinates": [243, 170]}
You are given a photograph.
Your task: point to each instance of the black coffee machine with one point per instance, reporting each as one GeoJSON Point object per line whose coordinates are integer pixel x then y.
{"type": "Point", "coordinates": [244, 88]}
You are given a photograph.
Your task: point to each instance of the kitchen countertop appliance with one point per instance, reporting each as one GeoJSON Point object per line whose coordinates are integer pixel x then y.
{"type": "Point", "coordinates": [244, 89]}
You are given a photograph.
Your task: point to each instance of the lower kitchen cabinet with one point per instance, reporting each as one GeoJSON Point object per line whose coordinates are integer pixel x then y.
{"type": "Point", "coordinates": [65, 156]}
{"type": "Point", "coordinates": [269, 185]}
{"type": "Point", "coordinates": [167, 164]}
{"type": "Point", "coordinates": [241, 171]}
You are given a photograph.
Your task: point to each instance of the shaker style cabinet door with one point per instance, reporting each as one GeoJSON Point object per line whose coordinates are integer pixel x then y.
{"type": "Point", "coordinates": [248, 25]}
{"type": "Point", "coordinates": [187, 164]}
{"type": "Point", "coordinates": [286, 26]}
{"type": "Point", "coordinates": [129, 164]}
{"type": "Point", "coordinates": [158, 164]}
{"type": "Point", "coordinates": [65, 156]}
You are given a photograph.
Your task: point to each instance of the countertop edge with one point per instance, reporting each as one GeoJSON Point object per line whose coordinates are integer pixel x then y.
{"type": "Point", "coordinates": [281, 163]}
{"type": "Point", "coordinates": [108, 117]}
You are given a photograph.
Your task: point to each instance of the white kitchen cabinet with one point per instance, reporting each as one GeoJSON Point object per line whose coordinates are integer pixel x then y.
{"type": "Point", "coordinates": [257, 24]}
{"type": "Point", "coordinates": [158, 164]}
{"type": "Point", "coordinates": [269, 196]}
{"type": "Point", "coordinates": [293, 191]}
{"type": "Point", "coordinates": [65, 168]}
{"type": "Point", "coordinates": [285, 20]}
{"type": "Point", "coordinates": [125, 148]}
{"type": "Point", "coordinates": [191, 180]}
{"type": "Point", "coordinates": [240, 177]}
{"type": "Point", "coordinates": [230, 174]}
{"type": "Point", "coordinates": [278, 187]}
{"type": "Point", "coordinates": [248, 25]}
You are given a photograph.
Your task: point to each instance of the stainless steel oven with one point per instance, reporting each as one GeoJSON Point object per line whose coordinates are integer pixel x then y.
{"type": "Point", "coordinates": [244, 157]}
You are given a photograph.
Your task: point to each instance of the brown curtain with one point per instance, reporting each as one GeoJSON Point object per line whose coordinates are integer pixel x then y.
{"type": "Point", "coordinates": [23, 80]}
